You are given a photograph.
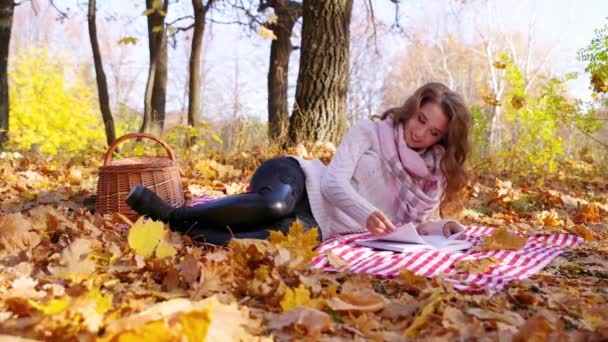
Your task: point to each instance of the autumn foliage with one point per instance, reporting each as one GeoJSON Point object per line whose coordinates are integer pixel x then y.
{"type": "Point", "coordinates": [68, 273]}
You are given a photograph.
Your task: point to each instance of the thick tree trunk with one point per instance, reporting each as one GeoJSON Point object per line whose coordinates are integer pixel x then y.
{"type": "Point", "coordinates": [6, 22]}
{"type": "Point", "coordinates": [288, 13]}
{"type": "Point", "coordinates": [156, 87]}
{"type": "Point", "coordinates": [320, 108]}
{"type": "Point", "coordinates": [102, 85]}
{"type": "Point", "coordinates": [194, 93]}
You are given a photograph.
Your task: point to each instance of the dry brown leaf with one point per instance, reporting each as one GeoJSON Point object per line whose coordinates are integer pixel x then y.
{"type": "Point", "coordinates": [502, 239]}
{"type": "Point", "coordinates": [74, 260]}
{"type": "Point", "coordinates": [412, 281]}
{"type": "Point", "coordinates": [189, 269]}
{"type": "Point", "coordinates": [16, 234]}
{"type": "Point", "coordinates": [366, 300]}
{"type": "Point", "coordinates": [476, 266]}
{"type": "Point", "coordinates": [336, 261]}
{"type": "Point", "coordinates": [306, 321]}
{"type": "Point", "coordinates": [465, 325]}
{"type": "Point", "coordinates": [508, 317]}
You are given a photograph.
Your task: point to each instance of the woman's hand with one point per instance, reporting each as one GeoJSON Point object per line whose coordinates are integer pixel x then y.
{"type": "Point", "coordinates": [435, 228]}
{"type": "Point", "coordinates": [452, 228]}
{"type": "Point", "coordinates": [379, 224]}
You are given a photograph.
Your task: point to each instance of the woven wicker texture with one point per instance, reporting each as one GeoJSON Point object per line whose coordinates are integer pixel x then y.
{"type": "Point", "coordinates": [117, 177]}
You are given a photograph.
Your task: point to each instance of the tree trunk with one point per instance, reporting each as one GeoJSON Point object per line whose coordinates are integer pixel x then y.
{"type": "Point", "coordinates": [288, 13]}
{"type": "Point", "coordinates": [102, 85]}
{"type": "Point", "coordinates": [320, 108]}
{"type": "Point", "coordinates": [6, 22]}
{"type": "Point", "coordinates": [156, 87]}
{"type": "Point", "coordinates": [194, 93]}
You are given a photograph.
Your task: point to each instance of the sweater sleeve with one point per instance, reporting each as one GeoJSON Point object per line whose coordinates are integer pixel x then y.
{"type": "Point", "coordinates": [335, 183]}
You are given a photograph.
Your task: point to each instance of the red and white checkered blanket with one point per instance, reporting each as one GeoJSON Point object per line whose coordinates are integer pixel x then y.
{"type": "Point", "coordinates": [538, 251]}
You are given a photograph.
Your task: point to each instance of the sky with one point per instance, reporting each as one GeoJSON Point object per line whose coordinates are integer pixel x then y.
{"type": "Point", "coordinates": [236, 58]}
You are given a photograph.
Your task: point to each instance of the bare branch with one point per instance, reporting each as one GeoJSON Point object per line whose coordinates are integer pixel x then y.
{"type": "Point", "coordinates": [180, 19]}
{"type": "Point", "coordinates": [62, 15]}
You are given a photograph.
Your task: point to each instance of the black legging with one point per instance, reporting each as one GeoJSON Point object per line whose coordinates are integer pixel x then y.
{"type": "Point", "coordinates": [276, 198]}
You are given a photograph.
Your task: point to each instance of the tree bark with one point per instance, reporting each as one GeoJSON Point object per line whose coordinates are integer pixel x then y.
{"type": "Point", "coordinates": [6, 22]}
{"type": "Point", "coordinates": [194, 93]}
{"type": "Point", "coordinates": [156, 87]}
{"type": "Point", "coordinates": [287, 13]}
{"type": "Point", "coordinates": [102, 84]}
{"type": "Point", "coordinates": [320, 107]}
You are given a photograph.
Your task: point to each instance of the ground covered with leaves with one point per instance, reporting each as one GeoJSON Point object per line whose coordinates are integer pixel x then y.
{"type": "Point", "coordinates": [69, 274]}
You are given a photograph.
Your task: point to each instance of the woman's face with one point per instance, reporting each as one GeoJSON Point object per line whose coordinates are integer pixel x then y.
{"type": "Point", "coordinates": [427, 127]}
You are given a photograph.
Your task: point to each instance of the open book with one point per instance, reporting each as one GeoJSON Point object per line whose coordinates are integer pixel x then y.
{"type": "Point", "coordinates": [406, 239]}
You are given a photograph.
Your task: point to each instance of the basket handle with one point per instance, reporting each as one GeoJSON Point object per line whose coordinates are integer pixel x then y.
{"type": "Point", "coordinates": [108, 156]}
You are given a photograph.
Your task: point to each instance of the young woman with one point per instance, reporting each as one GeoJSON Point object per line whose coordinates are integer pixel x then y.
{"type": "Point", "coordinates": [401, 167]}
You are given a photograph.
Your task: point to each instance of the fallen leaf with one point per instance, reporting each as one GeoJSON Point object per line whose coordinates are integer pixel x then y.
{"type": "Point", "coordinates": [299, 296]}
{"type": "Point", "coordinates": [366, 300]}
{"type": "Point", "coordinates": [147, 238]}
{"type": "Point", "coordinates": [412, 281]}
{"type": "Point", "coordinates": [476, 266]}
{"type": "Point", "coordinates": [502, 239]}
{"type": "Point", "coordinates": [424, 315]}
{"type": "Point", "coordinates": [465, 325]}
{"type": "Point", "coordinates": [305, 320]}
{"type": "Point", "coordinates": [336, 261]}
{"type": "Point", "coordinates": [300, 244]}
{"type": "Point", "coordinates": [16, 234]}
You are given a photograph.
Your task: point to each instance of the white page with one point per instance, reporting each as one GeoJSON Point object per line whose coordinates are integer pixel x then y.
{"type": "Point", "coordinates": [406, 239]}
{"type": "Point", "coordinates": [404, 233]}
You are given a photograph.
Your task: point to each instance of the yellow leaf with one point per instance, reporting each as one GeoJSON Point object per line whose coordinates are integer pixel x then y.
{"type": "Point", "coordinates": [299, 296]}
{"type": "Point", "coordinates": [195, 325]}
{"type": "Point", "coordinates": [424, 315]}
{"type": "Point", "coordinates": [151, 332]}
{"type": "Point", "coordinates": [164, 249]}
{"type": "Point", "coordinates": [266, 33]}
{"type": "Point", "coordinates": [53, 307]}
{"type": "Point", "coordinates": [475, 266]}
{"type": "Point", "coordinates": [144, 237]}
{"type": "Point", "coordinates": [104, 303]}
{"type": "Point", "coordinates": [502, 239]}
{"type": "Point", "coordinates": [298, 243]}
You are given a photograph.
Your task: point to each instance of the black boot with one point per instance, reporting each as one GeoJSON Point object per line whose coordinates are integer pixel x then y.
{"type": "Point", "coordinates": [145, 202]}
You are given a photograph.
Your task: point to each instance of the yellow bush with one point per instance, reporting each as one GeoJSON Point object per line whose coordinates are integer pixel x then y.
{"type": "Point", "coordinates": [52, 108]}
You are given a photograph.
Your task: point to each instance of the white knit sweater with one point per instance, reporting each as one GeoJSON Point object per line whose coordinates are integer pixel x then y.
{"type": "Point", "coordinates": [343, 194]}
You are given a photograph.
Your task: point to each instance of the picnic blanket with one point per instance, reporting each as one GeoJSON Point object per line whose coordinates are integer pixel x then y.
{"type": "Point", "coordinates": [538, 252]}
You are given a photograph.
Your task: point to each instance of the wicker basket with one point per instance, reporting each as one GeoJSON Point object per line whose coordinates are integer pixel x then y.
{"type": "Point", "coordinates": [117, 177]}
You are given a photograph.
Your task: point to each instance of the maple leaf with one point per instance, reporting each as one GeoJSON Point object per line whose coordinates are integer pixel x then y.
{"type": "Point", "coordinates": [310, 321]}
{"type": "Point", "coordinates": [195, 325]}
{"type": "Point", "coordinates": [365, 300]}
{"type": "Point", "coordinates": [465, 325]}
{"type": "Point", "coordinates": [424, 315]}
{"type": "Point", "coordinates": [16, 234]}
{"type": "Point", "coordinates": [299, 296]}
{"type": "Point", "coordinates": [476, 266]}
{"type": "Point", "coordinates": [148, 237]}
{"type": "Point", "coordinates": [412, 281]}
{"type": "Point", "coordinates": [24, 287]}
{"type": "Point", "coordinates": [588, 213]}
{"type": "Point", "coordinates": [299, 244]}
{"type": "Point", "coordinates": [549, 218]}
{"type": "Point", "coordinates": [214, 277]}
{"type": "Point", "coordinates": [75, 261]}
{"type": "Point", "coordinates": [336, 261]}
{"type": "Point", "coordinates": [501, 239]}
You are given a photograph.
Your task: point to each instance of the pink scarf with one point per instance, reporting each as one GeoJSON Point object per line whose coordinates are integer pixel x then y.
{"type": "Point", "coordinates": [420, 176]}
